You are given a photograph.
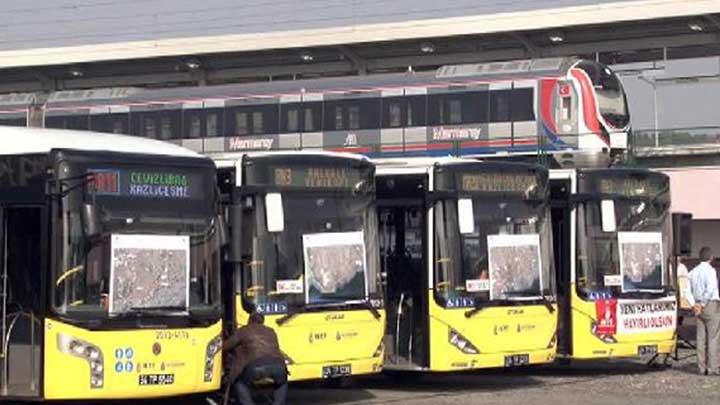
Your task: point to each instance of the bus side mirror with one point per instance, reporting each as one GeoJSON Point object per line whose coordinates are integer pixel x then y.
{"type": "Point", "coordinates": [90, 220]}
{"type": "Point", "coordinates": [466, 217]}
{"type": "Point", "coordinates": [274, 214]}
{"type": "Point", "coordinates": [682, 233]}
{"type": "Point", "coordinates": [235, 213]}
{"type": "Point", "coordinates": [607, 215]}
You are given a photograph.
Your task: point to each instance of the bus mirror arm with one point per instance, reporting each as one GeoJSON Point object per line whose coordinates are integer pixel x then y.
{"type": "Point", "coordinates": [91, 223]}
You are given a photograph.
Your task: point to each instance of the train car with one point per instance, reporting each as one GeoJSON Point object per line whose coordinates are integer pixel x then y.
{"type": "Point", "coordinates": [109, 267]}
{"type": "Point", "coordinates": [554, 105]}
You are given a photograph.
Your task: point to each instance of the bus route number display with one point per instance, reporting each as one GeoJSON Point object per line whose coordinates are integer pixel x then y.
{"type": "Point", "coordinates": [498, 182]}
{"type": "Point", "coordinates": [315, 177]}
{"type": "Point", "coordinates": [629, 187]}
{"type": "Point", "coordinates": [139, 183]}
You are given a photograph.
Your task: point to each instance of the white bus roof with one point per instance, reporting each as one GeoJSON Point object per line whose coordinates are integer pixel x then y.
{"type": "Point", "coordinates": [415, 165]}
{"type": "Point", "coordinates": [229, 159]}
{"type": "Point", "coordinates": [23, 141]}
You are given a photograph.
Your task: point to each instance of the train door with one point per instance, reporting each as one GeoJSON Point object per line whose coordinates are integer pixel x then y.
{"type": "Point", "coordinates": [402, 218]}
{"type": "Point", "coordinates": [21, 273]}
{"type": "Point", "coordinates": [562, 241]}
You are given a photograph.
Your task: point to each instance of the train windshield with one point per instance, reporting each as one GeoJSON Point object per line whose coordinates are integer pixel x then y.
{"type": "Point", "coordinates": [610, 93]}
{"type": "Point", "coordinates": [627, 252]}
{"type": "Point", "coordinates": [504, 251]}
{"type": "Point", "coordinates": [136, 240]}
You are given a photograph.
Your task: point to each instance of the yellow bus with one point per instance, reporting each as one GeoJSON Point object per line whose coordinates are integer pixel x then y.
{"type": "Point", "coordinates": [304, 253]}
{"type": "Point", "coordinates": [612, 230]}
{"type": "Point", "coordinates": [110, 267]}
{"type": "Point", "coordinates": [467, 257]}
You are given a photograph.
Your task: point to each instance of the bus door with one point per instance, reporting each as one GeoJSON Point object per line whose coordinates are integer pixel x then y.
{"type": "Point", "coordinates": [402, 220]}
{"type": "Point", "coordinates": [561, 228]}
{"type": "Point", "coordinates": [21, 270]}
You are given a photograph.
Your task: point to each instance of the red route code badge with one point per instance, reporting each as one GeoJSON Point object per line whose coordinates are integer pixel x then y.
{"type": "Point", "coordinates": [606, 312]}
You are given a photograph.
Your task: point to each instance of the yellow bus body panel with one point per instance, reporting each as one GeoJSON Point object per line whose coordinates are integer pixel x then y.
{"type": "Point", "coordinates": [318, 339]}
{"type": "Point", "coordinates": [588, 346]}
{"type": "Point", "coordinates": [181, 353]}
{"type": "Point", "coordinates": [495, 331]}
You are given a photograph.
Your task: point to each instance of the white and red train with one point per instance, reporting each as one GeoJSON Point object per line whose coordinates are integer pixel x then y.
{"type": "Point", "coordinates": [555, 104]}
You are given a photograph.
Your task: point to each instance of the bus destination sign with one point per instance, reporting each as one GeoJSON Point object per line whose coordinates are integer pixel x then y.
{"type": "Point", "coordinates": [498, 182]}
{"type": "Point", "coordinates": [140, 183]}
{"type": "Point", "coordinates": [316, 177]}
{"type": "Point", "coordinates": [631, 187]}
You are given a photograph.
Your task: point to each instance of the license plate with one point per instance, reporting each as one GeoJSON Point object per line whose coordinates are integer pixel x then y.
{"type": "Point", "coordinates": [647, 350]}
{"type": "Point", "coordinates": [156, 379]}
{"type": "Point", "coordinates": [517, 360]}
{"type": "Point", "coordinates": [341, 370]}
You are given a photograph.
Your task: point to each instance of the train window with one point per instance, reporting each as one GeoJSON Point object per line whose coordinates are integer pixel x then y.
{"type": "Point", "coordinates": [292, 120]}
{"type": "Point", "coordinates": [148, 129]}
{"type": "Point", "coordinates": [393, 118]}
{"type": "Point", "coordinates": [360, 113]}
{"type": "Point", "coordinates": [166, 130]}
{"type": "Point", "coordinates": [116, 123]}
{"type": "Point", "coordinates": [241, 123]}
{"type": "Point", "coordinates": [312, 117]}
{"type": "Point", "coordinates": [13, 120]}
{"type": "Point", "coordinates": [458, 108]}
{"type": "Point", "coordinates": [454, 108]}
{"type": "Point", "coordinates": [70, 121]}
{"type": "Point", "coordinates": [500, 106]}
{"type": "Point", "coordinates": [257, 122]}
{"type": "Point", "coordinates": [192, 124]}
{"type": "Point", "coordinates": [522, 105]}
{"type": "Point", "coordinates": [212, 124]}
{"type": "Point", "coordinates": [353, 117]}
{"type": "Point", "coordinates": [339, 121]}
{"type": "Point", "coordinates": [566, 108]}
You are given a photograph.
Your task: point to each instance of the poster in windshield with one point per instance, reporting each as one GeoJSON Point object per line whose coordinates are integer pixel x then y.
{"type": "Point", "coordinates": [641, 261]}
{"type": "Point", "coordinates": [335, 267]}
{"type": "Point", "coordinates": [149, 272]}
{"type": "Point", "coordinates": [515, 266]}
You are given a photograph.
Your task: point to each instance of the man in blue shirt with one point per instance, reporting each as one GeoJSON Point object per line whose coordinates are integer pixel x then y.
{"type": "Point", "coordinates": [706, 305]}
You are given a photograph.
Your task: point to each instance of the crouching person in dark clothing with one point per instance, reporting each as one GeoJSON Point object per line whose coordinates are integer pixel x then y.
{"type": "Point", "coordinates": [256, 356]}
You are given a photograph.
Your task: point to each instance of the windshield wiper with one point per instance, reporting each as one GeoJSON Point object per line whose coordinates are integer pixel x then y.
{"type": "Point", "coordinates": [157, 309]}
{"type": "Point", "coordinates": [367, 305]}
{"type": "Point", "coordinates": [477, 308]}
{"type": "Point", "coordinates": [292, 312]}
{"type": "Point", "coordinates": [548, 304]}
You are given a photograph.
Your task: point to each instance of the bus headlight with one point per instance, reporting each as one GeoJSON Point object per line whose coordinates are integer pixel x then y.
{"type": "Point", "coordinates": [380, 349]}
{"type": "Point", "coordinates": [87, 351]}
{"type": "Point", "coordinates": [213, 348]}
{"type": "Point", "coordinates": [288, 360]}
{"type": "Point", "coordinates": [461, 342]}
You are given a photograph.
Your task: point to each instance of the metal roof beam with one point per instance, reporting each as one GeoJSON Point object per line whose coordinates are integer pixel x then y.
{"type": "Point", "coordinates": [359, 63]}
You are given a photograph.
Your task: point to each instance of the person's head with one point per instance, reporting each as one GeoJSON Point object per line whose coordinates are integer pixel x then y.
{"type": "Point", "coordinates": [256, 318]}
{"type": "Point", "coordinates": [706, 254]}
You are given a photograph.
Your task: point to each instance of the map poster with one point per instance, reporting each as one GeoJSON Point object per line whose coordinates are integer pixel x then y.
{"type": "Point", "coordinates": [149, 271]}
{"type": "Point", "coordinates": [335, 267]}
{"type": "Point", "coordinates": [641, 261]}
{"type": "Point", "coordinates": [515, 266]}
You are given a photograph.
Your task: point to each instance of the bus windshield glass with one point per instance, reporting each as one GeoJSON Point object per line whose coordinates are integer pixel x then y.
{"type": "Point", "coordinates": [506, 256]}
{"type": "Point", "coordinates": [610, 94]}
{"type": "Point", "coordinates": [634, 256]}
{"type": "Point", "coordinates": [136, 239]}
{"type": "Point", "coordinates": [327, 253]}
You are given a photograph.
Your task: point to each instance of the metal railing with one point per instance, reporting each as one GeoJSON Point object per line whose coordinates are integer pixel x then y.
{"type": "Point", "coordinates": [645, 139]}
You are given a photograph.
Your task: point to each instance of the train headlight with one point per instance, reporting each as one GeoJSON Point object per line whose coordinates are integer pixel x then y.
{"type": "Point", "coordinates": [86, 351]}
{"type": "Point", "coordinates": [461, 342]}
{"type": "Point", "coordinates": [212, 349]}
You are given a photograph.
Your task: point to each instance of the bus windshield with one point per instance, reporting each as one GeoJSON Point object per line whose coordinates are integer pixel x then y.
{"type": "Point", "coordinates": [154, 249]}
{"type": "Point", "coordinates": [634, 257]}
{"type": "Point", "coordinates": [505, 257]}
{"type": "Point", "coordinates": [327, 253]}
